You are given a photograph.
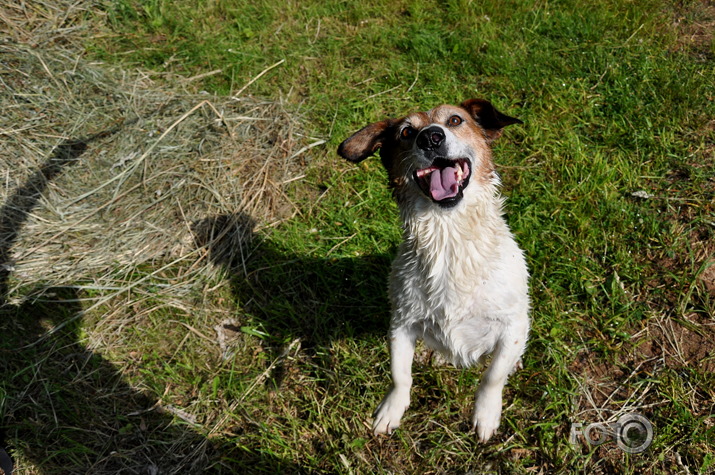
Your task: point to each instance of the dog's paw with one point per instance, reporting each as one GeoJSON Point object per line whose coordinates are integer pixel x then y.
{"type": "Point", "coordinates": [487, 413]}
{"type": "Point", "coordinates": [388, 414]}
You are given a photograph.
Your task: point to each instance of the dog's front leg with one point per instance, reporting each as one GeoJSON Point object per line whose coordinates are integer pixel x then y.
{"type": "Point", "coordinates": [487, 407]}
{"type": "Point", "coordinates": [388, 414]}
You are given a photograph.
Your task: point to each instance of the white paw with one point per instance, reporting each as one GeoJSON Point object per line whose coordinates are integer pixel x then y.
{"type": "Point", "coordinates": [388, 414]}
{"type": "Point", "coordinates": [487, 412]}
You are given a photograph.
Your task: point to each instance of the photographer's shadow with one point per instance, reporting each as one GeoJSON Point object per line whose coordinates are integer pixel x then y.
{"type": "Point", "coordinates": [70, 409]}
{"type": "Point", "coordinates": [289, 296]}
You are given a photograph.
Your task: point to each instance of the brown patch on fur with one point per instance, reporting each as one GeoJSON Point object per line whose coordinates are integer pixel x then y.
{"type": "Point", "coordinates": [418, 120]}
{"type": "Point", "coordinates": [366, 141]}
{"type": "Point", "coordinates": [490, 120]}
{"type": "Point", "coordinates": [468, 132]}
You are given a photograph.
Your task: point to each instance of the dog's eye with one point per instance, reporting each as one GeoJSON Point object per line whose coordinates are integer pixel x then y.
{"type": "Point", "coordinates": [407, 132]}
{"type": "Point", "coordinates": [454, 121]}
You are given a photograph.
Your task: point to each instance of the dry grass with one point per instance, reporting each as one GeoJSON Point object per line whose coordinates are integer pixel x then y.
{"type": "Point", "coordinates": [88, 150]}
{"type": "Point", "coordinates": [40, 23]}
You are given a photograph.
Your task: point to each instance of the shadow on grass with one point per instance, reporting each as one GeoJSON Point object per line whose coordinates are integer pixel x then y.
{"type": "Point", "coordinates": [288, 296]}
{"type": "Point", "coordinates": [66, 409]}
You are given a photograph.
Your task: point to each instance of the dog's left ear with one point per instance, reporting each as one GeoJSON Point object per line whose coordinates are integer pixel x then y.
{"type": "Point", "coordinates": [486, 115]}
{"type": "Point", "coordinates": [366, 141]}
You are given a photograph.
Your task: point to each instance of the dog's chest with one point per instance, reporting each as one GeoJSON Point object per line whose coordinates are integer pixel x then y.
{"type": "Point", "coordinates": [457, 292]}
{"type": "Point", "coordinates": [449, 262]}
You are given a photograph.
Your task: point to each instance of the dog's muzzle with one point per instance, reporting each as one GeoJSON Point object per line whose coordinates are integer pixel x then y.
{"type": "Point", "coordinates": [445, 180]}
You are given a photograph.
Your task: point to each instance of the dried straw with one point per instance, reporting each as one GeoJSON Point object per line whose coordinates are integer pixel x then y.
{"type": "Point", "coordinates": [103, 174]}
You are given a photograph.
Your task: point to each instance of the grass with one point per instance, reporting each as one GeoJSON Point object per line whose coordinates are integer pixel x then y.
{"type": "Point", "coordinates": [617, 100]}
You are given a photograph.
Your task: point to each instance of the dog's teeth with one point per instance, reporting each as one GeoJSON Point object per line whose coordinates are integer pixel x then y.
{"type": "Point", "coordinates": [459, 173]}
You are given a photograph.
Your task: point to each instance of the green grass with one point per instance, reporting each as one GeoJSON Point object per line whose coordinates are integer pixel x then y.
{"type": "Point", "coordinates": [615, 100]}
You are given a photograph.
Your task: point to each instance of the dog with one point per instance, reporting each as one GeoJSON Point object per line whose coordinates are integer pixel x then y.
{"type": "Point", "coordinates": [459, 280]}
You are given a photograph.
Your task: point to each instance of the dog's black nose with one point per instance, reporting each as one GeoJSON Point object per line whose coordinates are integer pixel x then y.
{"type": "Point", "coordinates": [430, 138]}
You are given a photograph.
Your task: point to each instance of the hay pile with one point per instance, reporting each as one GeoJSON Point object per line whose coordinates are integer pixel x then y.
{"type": "Point", "coordinates": [45, 23]}
{"type": "Point", "coordinates": [104, 172]}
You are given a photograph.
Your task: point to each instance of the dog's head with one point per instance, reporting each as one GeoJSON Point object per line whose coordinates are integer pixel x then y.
{"type": "Point", "coordinates": [433, 155]}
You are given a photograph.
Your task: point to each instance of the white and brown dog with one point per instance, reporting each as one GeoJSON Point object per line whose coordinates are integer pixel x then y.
{"type": "Point", "coordinates": [459, 280]}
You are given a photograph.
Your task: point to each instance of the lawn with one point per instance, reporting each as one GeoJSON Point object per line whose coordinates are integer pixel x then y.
{"type": "Point", "coordinates": [258, 344]}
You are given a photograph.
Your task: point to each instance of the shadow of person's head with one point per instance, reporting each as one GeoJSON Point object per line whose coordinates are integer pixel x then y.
{"type": "Point", "coordinates": [316, 299]}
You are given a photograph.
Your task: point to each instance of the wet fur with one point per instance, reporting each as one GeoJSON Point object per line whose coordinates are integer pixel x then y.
{"type": "Point", "coordinates": [459, 281]}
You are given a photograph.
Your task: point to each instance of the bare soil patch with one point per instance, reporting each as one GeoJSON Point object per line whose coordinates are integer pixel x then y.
{"type": "Point", "coordinates": [694, 23]}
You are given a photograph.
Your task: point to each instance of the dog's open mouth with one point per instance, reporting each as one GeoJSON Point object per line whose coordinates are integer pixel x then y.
{"type": "Point", "coordinates": [444, 180]}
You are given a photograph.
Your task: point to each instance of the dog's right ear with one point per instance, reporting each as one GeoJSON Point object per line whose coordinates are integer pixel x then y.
{"type": "Point", "coordinates": [488, 117]}
{"type": "Point", "coordinates": [367, 140]}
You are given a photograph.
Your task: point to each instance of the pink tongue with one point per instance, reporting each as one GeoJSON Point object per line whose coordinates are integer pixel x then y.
{"type": "Point", "coordinates": [443, 183]}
